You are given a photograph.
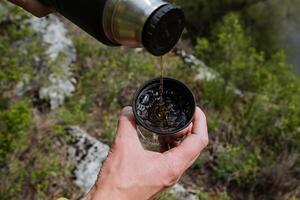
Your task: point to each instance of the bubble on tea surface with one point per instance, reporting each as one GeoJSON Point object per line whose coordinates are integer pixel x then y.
{"type": "Point", "coordinates": [145, 99]}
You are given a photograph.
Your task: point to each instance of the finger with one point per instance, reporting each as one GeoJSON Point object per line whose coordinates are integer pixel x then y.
{"type": "Point", "coordinates": [168, 142]}
{"type": "Point", "coordinates": [183, 155]}
{"type": "Point", "coordinates": [33, 6]}
{"type": "Point", "coordinates": [184, 132]}
{"type": "Point", "coordinates": [175, 141]}
{"type": "Point", "coordinates": [127, 126]}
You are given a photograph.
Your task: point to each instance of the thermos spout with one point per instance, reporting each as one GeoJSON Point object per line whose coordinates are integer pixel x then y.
{"type": "Point", "coordinates": [152, 24]}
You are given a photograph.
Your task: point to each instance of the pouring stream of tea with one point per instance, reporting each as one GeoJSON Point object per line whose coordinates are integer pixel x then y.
{"type": "Point", "coordinates": [161, 87]}
{"type": "Point", "coordinates": [162, 108]}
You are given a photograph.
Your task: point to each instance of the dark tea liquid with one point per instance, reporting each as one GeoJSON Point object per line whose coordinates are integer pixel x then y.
{"type": "Point", "coordinates": [163, 106]}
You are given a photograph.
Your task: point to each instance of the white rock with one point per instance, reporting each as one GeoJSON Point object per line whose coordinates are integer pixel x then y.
{"type": "Point", "coordinates": [88, 155]}
{"type": "Point", "coordinates": [60, 83]}
{"type": "Point", "coordinates": [54, 34]}
{"type": "Point", "coordinates": [204, 72]}
{"type": "Point", "coordinates": [181, 193]}
{"type": "Point", "coordinates": [138, 50]}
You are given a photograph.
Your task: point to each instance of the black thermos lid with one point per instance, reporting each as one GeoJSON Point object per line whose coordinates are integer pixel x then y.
{"type": "Point", "coordinates": [163, 29]}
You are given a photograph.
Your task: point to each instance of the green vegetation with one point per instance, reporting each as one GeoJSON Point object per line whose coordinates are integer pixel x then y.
{"type": "Point", "coordinates": [219, 196]}
{"type": "Point", "coordinates": [166, 196]}
{"type": "Point", "coordinates": [253, 110]}
{"type": "Point", "coordinates": [15, 114]}
{"type": "Point", "coordinates": [32, 162]}
{"type": "Point", "coordinates": [261, 18]}
{"type": "Point", "coordinates": [252, 105]}
{"type": "Point", "coordinates": [15, 122]}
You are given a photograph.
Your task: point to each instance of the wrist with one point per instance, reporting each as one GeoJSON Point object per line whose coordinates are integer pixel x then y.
{"type": "Point", "coordinates": [105, 192]}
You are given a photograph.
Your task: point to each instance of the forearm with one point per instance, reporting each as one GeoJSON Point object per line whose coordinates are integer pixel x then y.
{"type": "Point", "coordinates": [106, 192]}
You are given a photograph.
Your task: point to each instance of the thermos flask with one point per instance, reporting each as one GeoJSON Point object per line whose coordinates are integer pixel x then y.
{"type": "Point", "coordinates": [153, 24]}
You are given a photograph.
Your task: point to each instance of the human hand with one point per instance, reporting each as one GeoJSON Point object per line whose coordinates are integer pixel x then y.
{"type": "Point", "coordinates": [132, 173]}
{"type": "Point", "coordinates": [35, 7]}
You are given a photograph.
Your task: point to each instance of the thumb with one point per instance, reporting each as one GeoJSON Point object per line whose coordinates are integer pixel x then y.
{"type": "Point", "coordinates": [127, 130]}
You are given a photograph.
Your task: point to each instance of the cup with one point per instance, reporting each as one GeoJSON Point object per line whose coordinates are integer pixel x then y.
{"type": "Point", "coordinates": [160, 122]}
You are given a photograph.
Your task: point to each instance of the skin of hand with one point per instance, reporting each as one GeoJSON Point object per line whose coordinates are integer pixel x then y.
{"type": "Point", "coordinates": [133, 173]}
{"type": "Point", "coordinates": [35, 7]}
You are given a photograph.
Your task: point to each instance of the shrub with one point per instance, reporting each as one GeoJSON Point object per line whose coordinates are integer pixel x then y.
{"type": "Point", "coordinates": [233, 55]}
{"type": "Point", "coordinates": [237, 164]}
{"type": "Point", "coordinates": [15, 122]}
{"type": "Point", "coordinates": [252, 111]}
{"type": "Point", "coordinates": [166, 196]}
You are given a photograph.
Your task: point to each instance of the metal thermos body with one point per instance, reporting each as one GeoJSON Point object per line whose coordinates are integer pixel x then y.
{"type": "Point", "coordinates": [152, 24]}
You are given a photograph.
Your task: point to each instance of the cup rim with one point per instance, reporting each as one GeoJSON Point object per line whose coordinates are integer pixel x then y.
{"type": "Point", "coordinates": [156, 80]}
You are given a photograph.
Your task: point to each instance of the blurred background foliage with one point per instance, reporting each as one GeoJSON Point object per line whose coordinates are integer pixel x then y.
{"type": "Point", "coordinates": [252, 105]}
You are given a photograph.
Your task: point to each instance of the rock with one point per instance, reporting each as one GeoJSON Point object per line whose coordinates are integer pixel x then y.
{"type": "Point", "coordinates": [88, 155]}
{"type": "Point", "coordinates": [60, 82]}
{"type": "Point", "coordinates": [204, 72]}
{"type": "Point", "coordinates": [54, 34]}
{"type": "Point", "coordinates": [58, 88]}
{"type": "Point", "coordinates": [182, 193]}
{"type": "Point", "coordinates": [138, 50]}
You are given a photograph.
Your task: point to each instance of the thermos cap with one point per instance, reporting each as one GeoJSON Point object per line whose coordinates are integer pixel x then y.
{"type": "Point", "coordinates": [163, 29]}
